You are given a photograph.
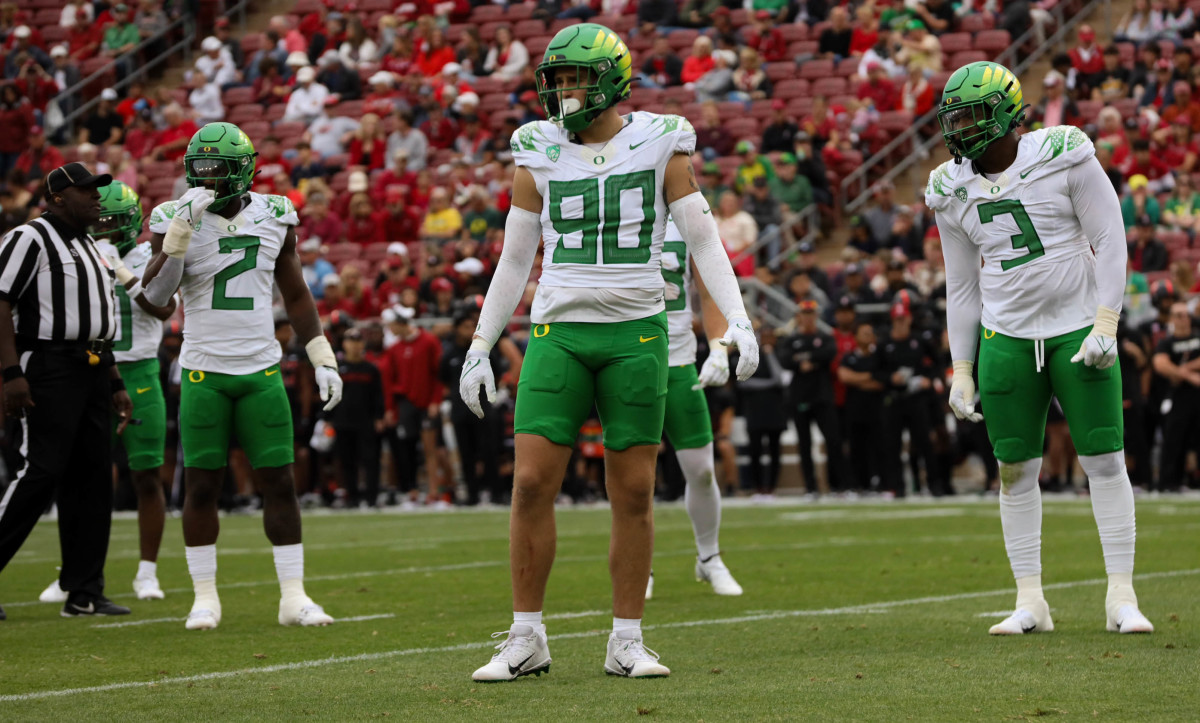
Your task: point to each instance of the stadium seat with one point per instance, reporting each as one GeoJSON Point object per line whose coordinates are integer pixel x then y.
{"type": "Point", "coordinates": [794, 88]}
{"type": "Point", "coordinates": [375, 252]}
{"type": "Point", "coordinates": [792, 32]}
{"type": "Point", "coordinates": [486, 14]}
{"type": "Point", "coordinates": [519, 11]}
{"type": "Point", "coordinates": [54, 34]}
{"type": "Point", "coordinates": [894, 122]}
{"type": "Point", "coordinates": [528, 29]}
{"type": "Point", "coordinates": [800, 107]}
{"type": "Point", "coordinates": [955, 42]}
{"type": "Point", "coordinates": [938, 80]}
{"type": "Point", "coordinates": [739, 17]}
{"type": "Point", "coordinates": [374, 6]}
{"type": "Point", "coordinates": [679, 93]}
{"type": "Point", "coordinates": [336, 162]}
{"type": "Point", "coordinates": [847, 67]}
{"type": "Point", "coordinates": [160, 169]}
{"type": "Point", "coordinates": [244, 113]}
{"type": "Point", "coordinates": [743, 127]}
{"type": "Point", "coordinates": [537, 46]}
{"type": "Point", "coordinates": [487, 31]}
{"type": "Point", "coordinates": [992, 42]}
{"type": "Point", "coordinates": [304, 7]}
{"type": "Point", "coordinates": [803, 47]}
{"type": "Point", "coordinates": [46, 16]}
{"type": "Point", "coordinates": [341, 252]}
{"type": "Point", "coordinates": [681, 40]}
{"type": "Point", "coordinates": [1089, 109]}
{"type": "Point", "coordinates": [256, 130]}
{"type": "Point", "coordinates": [781, 71]}
{"type": "Point", "coordinates": [238, 96]}
{"type": "Point", "coordinates": [976, 22]}
{"type": "Point", "coordinates": [731, 109]}
{"type": "Point", "coordinates": [251, 42]}
{"type": "Point", "coordinates": [1127, 107]}
{"type": "Point", "coordinates": [829, 87]}
{"type": "Point", "coordinates": [967, 56]}
{"type": "Point", "coordinates": [818, 68]}
{"type": "Point", "coordinates": [563, 23]}
{"type": "Point", "coordinates": [493, 102]}
{"type": "Point", "coordinates": [287, 129]}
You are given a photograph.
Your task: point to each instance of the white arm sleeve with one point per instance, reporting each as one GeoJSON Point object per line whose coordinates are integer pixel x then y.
{"type": "Point", "coordinates": [522, 233]}
{"type": "Point", "coordinates": [699, 231]}
{"type": "Point", "coordinates": [164, 285]}
{"type": "Point", "coordinates": [964, 307]}
{"type": "Point", "coordinates": [1099, 211]}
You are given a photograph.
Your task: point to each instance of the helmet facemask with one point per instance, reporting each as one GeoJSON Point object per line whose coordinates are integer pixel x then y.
{"type": "Point", "coordinates": [969, 128]}
{"type": "Point", "coordinates": [227, 177]}
{"type": "Point", "coordinates": [573, 77]}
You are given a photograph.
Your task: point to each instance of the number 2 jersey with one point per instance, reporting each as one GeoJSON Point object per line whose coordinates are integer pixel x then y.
{"type": "Point", "coordinates": [1038, 278]}
{"type": "Point", "coordinates": [227, 286]}
{"type": "Point", "coordinates": [604, 216]}
{"type": "Point", "coordinates": [138, 332]}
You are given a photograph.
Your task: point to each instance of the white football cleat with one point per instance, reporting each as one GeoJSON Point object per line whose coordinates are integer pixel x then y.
{"type": "Point", "coordinates": [304, 612]}
{"type": "Point", "coordinates": [650, 586]}
{"type": "Point", "coordinates": [714, 572]}
{"type": "Point", "coordinates": [1031, 617]}
{"type": "Point", "coordinates": [1121, 608]}
{"type": "Point", "coordinates": [203, 619]}
{"type": "Point", "coordinates": [629, 658]}
{"type": "Point", "coordinates": [522, 652]}
{"type": "Point", "coordinates": [53, 594]}
{"type": "Point", "coordinates": [147, 588]}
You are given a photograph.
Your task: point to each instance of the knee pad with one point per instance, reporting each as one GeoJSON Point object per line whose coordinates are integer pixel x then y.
{"type": "Point", "coordinates": [1017, 478]}
{"type": "Point", "coordinates": [1103, 467]}
{"type": "Point", "coordinates": [1100, 442]}
{"type": "Point", "coordinates": [1014, 450]}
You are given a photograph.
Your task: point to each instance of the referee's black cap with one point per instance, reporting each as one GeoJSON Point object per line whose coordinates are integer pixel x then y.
{"type": "Point", "coordinates": [74, 174]}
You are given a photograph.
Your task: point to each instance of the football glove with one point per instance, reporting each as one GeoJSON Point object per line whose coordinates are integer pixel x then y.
{"type": "Point", "coordinates": [1099, 348]}
{"type": "Point", "coordinates": [476, 371]}
{"type": "Point", "coordinates": [715, 370]}
{"type": "Point", "coordinates": [741, 335]}
{"type": "Point", "coordinates": [191, 206]}
{"type": "Point", "coordinates": [329, 386]}
{"type": "Point", "coordinates": [962, 392]}
{"type": "Point", "coordinates": [118, 267]}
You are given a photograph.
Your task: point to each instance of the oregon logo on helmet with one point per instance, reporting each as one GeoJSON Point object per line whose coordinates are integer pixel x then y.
{"type": "Point", "coordinates": [220, 156]}
{"type": "Point", "coordinates": [120, 220]}
{"type": "Point", "coordinates": [982, 102]}
{"type": "Point", "coordinates": [589, 58]}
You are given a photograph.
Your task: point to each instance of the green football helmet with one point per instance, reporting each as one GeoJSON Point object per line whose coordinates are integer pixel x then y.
{"type": "Point", "coordinates": [982, 103]}
{"type": "Point", "coordinates": [220, 156]}
{"type": "Point", "coordinates": [120, 217]}
{"type": "Point", "coordinates": [604, 70]}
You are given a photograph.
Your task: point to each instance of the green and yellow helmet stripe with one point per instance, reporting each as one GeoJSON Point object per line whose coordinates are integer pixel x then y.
{"type": "Point", "coordinates": [120, 221]}
{"type": "Point", "coordinates": [982, 102]}
{"type": "Point", "coordinates": [604, 70]}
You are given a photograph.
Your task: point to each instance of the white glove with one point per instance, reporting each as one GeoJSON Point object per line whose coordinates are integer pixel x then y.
{"type": "Point", "coordinates": [1099, 348]}
{"type": "Point", "coordinates": [191, 206]}
{"type": "Point", "coordinates": [329, 386]}
{"type": "Point", "coordinates": [741, 335]}
{"type": "Point", "coordinates": [477, 370]}
{"type": "Point", "coordinates": [118, 267]}
{"type": "Point", "coordinates": [962, 392]}
{"type": "Point", "coordinates": [715, 370]}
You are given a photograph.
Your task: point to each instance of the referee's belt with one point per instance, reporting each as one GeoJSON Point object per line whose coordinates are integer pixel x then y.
{"type": "Point", "coordinates": [97, 347]}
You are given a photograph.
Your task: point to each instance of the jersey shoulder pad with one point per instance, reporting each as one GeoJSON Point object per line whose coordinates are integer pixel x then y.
{"type": "Point", "coordinates": [1058, 148]}
{"type": "Point", "coordinates": [282, 209]}
{"type": "Point", "coordinates": [537, 144]}
{"type": "Point", "coordinates": [942, 187]}
{"type": "Point", "coordinates": [161, 217]}
{"type": "Point", "coordinates": [675, 130]}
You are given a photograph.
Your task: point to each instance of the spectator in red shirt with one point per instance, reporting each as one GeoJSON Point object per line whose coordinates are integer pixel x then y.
{"type": "Point", "coordinates": [360, 226]}
{"type": "Point", "coordinates": [916, 95]}
{"type": "Point", "coordinates": [398, 221]}
{"type": "Point", "coordinates": [358, 300]}
{"type": "Point", "coordinates": [865, 33]}
{"type": "Point", "coordinates": [431, 57]}
{"type": "Point", "coordinates": [312, 23]}
{"type": "Point", "coordinates": [439, 130]}
{"type": "Point", "coordinates": [700, 61]}
{"type": "Point", "coordinates": [765, 37]}
{"type": "Point", "coordinates": [711, 134]}
{"type": "Point", "coordinates": [1153, 167]}
{"type": "Point", "coordinates": [396, 176]}
{"type": "Point", "coordinates": [128, 108]}
{"type": "Point", "coordinates": [368, 145]}
{"type": "Point", "coordinates": [171, 142]}
{"type": "Point", "coordinates": [412, 393]}
{"type": "Point", "coordinates": [382, 99]}
{"type": "Point", "coordinates": [820, 123]}
{"type": "Point", "coordinates": [39, 158]}
{"type": "Point", "coordinates": [318, 221]}
{"type": "Point", "coordinates": [1087, 58]}
{"type": "Point", "coordinates": [270, 164]}
{"type": "Point", "coordinates": [1184, 106]}
{"type": "Point", "coordinates": [334, 299]}
{"type": "Point", "coordinates": [84, 39]}
{"type": "Point", "coordinates": [662, 67]}
{"type": "Point", "coordinates": [879, 88]}
{"type": "Point", "coordinates": [399, 278]}
{"type": "Point", "coordinates": [1177, 148]}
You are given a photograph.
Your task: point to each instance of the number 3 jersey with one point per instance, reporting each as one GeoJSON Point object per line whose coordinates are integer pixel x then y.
{"type": "Point", "coordinates": [138, 332]}
{"type": "Point", "coordinates": [677, 272]}
{"type": "Point", "coordinates": [227, 287]}
{"type": "Point", "coordinates": [1038, 275]}
{"type": "Point", "coordinates": [603, 217]}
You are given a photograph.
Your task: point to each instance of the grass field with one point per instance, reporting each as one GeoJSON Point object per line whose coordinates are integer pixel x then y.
{"type": "Point", "coordinates": [865, 612]}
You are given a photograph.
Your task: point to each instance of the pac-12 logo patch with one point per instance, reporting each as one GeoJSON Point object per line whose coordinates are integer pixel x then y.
{"type": "Point", "coordinates": [552, 153]}
{"type": "Point", "coordinates": [961, 194]}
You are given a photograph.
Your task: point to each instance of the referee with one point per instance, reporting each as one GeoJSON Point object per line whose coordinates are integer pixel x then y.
{"type": "Point", "coordinates": [58, 316]}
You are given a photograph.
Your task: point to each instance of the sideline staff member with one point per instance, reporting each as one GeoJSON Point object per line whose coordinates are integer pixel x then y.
{"type": "Point", "coordinates": [58, 317]}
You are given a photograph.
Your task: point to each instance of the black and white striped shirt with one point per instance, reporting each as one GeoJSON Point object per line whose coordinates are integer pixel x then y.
{"type": "Point", "coordinates": [59, 286]}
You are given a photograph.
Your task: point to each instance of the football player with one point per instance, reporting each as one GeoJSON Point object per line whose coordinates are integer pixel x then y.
{"type": "Point", "coordinates": [224, 248]}
{"type": "Point", "coordinates": [1035, 273]}
{"type": "Point", "coordinates": [597, 187]}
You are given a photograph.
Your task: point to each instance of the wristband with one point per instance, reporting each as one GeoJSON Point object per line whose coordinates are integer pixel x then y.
{"type": "Point", "coordinates": [13, 372]}
{"type": "Point", "coordinates": [134, 291]}
{"type": "Point", "coordinates": [320, 353]}
{"type": "Point", "coordinates": [117, 384]}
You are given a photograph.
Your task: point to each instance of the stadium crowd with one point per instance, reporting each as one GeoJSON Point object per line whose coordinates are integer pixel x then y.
{"type": "Point", "coordinates": [390, 127]}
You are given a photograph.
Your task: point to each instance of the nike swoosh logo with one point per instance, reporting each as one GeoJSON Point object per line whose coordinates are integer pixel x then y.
{"type": "Point", "coordinates": [514, 670]}
{"type": "Point", "coordinates": [1029, 629]}
{"type": "Point", "coordinates": [627, 668]}
{"type": "Point", "coordinates": [633, 146]}
{"type": "Point", "coordinates": [644, 339]}
{"type": "Point", "coordinates": [143, 391]}
{"type": "Point", "coordinates": [707, 211]}
{"type": "Point", "coordinates": [260, 220]}
{"type": "Point", "coordinates": [269, 372]}
{"type": "Point", "coordinates": [91, 608]}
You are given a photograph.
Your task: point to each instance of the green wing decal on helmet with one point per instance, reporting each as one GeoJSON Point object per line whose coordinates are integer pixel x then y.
{"type": "Point", "coordinates": [220, 156]}
{"type": "Point", "coordinates": [603, 69]}
{"type": "Point", "coordinates": [982, 103]}
{"type": "Point", "coordinates": [120, 220]}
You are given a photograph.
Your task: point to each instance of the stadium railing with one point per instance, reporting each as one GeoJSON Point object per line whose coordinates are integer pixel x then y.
{"type": "Point", "coordinates": [856, 188]}
{"type": "Point", "coordinates": [811, 218]}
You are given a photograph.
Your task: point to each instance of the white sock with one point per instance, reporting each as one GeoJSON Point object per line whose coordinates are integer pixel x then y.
{"type": "Point", "coordinates": [202, 566]}
{"type": "Point", "coordinates": [289, 567]}
{"type": "Point", "coordinates": [1112, 506]}
{"type": "Point", "coordinates": [1021, 516]}
{"type": "Point", "coordinates": [147, 569]}
{"type": "Point", "coordinates": [631, 627]}
{"type": "Point", "coordinates": [533, 620]}
{"type": "Point", "coordinates": [702, 497]}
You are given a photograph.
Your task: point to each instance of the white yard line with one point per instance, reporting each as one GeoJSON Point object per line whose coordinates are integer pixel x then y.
{"type": "Point", "coordinates": [583, 614]}
{"type": "Point", "coordinates": [151, 621]}
{"type": "Point", "coordinates": [338, 660]}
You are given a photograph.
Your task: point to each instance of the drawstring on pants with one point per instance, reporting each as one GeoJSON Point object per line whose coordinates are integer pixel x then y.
{"type": "Point", "coordinates": [1039, 354]}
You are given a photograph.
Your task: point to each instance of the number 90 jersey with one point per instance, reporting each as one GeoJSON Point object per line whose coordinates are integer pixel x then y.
{"type": "Point", "coordinates": [603, 217]}
{"type": "Point", "coordinates": [1038, 275]}
{"type": "Point", "coordinates": [228, 283]}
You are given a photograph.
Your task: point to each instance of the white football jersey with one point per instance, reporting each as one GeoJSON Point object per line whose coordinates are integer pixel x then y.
{"type": "Point", "coordinates": [227, 287]}
{"type": "Point", "coordinates": [138, 333]}
{"type": "Point", "coordinates": [677, 271]}
{"type": "Point", "coordinates": [603, 217]}
{"type": "Point", "coordinates": [1038, 276]}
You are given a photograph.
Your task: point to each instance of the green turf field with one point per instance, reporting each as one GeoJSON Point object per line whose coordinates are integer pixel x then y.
{"type": "Point", "coordinates": [865, 612]}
